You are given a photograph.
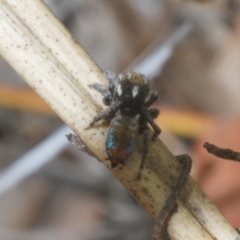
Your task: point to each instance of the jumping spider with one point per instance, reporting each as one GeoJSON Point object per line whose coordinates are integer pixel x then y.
{"type": "Point", "coordinates": [128, 98]}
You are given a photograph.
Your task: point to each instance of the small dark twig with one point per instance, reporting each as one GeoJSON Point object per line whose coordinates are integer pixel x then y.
{"type": "Point", "coordinates": [221, 152]}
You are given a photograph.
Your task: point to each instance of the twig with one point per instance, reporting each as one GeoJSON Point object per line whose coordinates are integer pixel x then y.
{"type": "Point", "coordinates": [224, 153]}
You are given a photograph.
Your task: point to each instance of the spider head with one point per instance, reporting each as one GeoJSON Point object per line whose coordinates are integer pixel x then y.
{"type": "Point", "coordinates": [131, 86]}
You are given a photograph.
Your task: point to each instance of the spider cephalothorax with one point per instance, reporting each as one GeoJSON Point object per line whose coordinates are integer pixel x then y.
{"type": "Point", "coordinates": [128, 97]}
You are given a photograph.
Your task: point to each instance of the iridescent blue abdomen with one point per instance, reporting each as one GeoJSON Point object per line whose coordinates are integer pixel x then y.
{"type": "Point", "coordinates": [121, 138]}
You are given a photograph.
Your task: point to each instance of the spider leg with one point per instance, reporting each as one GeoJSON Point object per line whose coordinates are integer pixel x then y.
{"type": "Point", "coordinates": [170, 203]}
{"type": "Point", "coordinates": [151, 98]}
{"type": "Point", "coordinates": [105, 114]}
{"type": "Point", "coordinates": [154, 112]}
{"type": "Point", "coordinates": [103, 90]}
{"type": "Point", "coordinates": [147, 116]}
{"type": "Point", "coordinates": [108, 93]}
{"type": "Point", "coordinates": [112, 78]}
{"type": "Point", "coordinates": [145, 151]}
{"type": "Point", "coordinates": [155, 127]}
{"type": "Point", "coordinates": [107, 96]}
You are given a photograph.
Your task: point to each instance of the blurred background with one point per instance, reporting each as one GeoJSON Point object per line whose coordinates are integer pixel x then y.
{"type": "Point", "coordinates": [191, 52]}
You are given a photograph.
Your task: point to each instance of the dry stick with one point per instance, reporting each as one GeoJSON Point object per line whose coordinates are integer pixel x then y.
{"type": "Point", "coordinates": [43, 52]}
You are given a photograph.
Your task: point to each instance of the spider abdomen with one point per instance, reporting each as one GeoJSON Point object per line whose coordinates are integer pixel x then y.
{"type": "Point", "coordinates": [121, 138]}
